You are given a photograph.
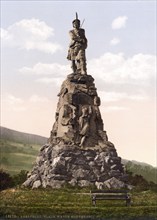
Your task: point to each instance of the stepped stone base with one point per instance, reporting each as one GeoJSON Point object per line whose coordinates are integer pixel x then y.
{"type": "Point", "coordinates": [68, 164]}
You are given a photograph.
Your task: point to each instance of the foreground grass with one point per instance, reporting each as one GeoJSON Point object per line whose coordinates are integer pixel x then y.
{"type": "Point", "coordinates": [74, 202]}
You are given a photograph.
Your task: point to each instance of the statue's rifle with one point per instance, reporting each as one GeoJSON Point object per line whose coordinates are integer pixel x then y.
{"type": "Point", "coordinates": [77, 19]}
{"type": "Point", "coordinates": [82, 22]}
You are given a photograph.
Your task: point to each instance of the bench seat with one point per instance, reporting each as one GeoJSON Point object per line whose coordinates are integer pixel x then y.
{"type": "Point", "coordinates": [110, 195]}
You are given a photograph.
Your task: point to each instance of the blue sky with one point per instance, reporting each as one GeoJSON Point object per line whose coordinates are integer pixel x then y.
{"type": "Point", "coordinates": [121, 56]}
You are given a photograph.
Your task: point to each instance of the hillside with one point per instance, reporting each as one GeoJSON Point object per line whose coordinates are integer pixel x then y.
{"type": "Point", "coordinates": [17, 156]}
{"type": "Point", "coordinates": [19, 151]}
{"type": "Point", "coordinates": [20, 137]}
{"type": "Point", "coordinates": [147, 171]}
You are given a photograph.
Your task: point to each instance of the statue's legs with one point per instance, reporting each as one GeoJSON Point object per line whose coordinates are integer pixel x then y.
{"type": "Point", "coordinates": [78, 66]}
{"type": "Point", "coordinates": [73, 66]}
{"type": "Point", "coordinates": [83, 66]}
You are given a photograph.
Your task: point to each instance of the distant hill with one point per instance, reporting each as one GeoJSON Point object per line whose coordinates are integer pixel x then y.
{"type": "Point", "coordinates": [19, 151]}
{"type": "Point", "coordinates": [146, 170]}
{"type": "Point", "coordinates": [20, 137]}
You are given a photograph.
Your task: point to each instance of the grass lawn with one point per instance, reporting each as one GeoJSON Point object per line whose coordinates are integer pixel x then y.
{"type": "Point", "coordinates": [74, 202]}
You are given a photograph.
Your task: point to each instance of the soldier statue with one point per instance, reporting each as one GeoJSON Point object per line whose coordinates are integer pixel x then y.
{"type": "Point", "coordinates": [78, 44]}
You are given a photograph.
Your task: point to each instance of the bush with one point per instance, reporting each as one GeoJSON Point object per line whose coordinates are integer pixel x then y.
{"type": "Point", "coordinates": [20, 178]}
{"type": "Point", "coordinates": [140, 183]}
{"type": "Point", "coordinates": [6, 181]}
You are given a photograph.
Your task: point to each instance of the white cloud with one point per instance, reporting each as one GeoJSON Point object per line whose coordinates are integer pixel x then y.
{"type": "Point", "coordinates": [4, 34]}
{"type": "Point", "coordinates": [54, 69]}
{"type": "Point", "coordinates": [113, 70]}
{"type": "Point", "coordinates": [56, 72]}
{"type": "Point", "coordinates": [13, 103]}
{"type": "Point", "coordinates": [11, 99]}
{"type": "Point", "coordinates": [30, 34]}
{"type": "Point", "coordinates": [119, 22]}
{"type": "Point", "coordinates": [116, 69]}
{"type": "Point", "coordinates": [17, 104]}
{"type": "Point", "coordinates": [115, 41]}
{"type": "Point", "coordinates": [36, 98]}
{"type": "Point", "coordinates": [53, 81]}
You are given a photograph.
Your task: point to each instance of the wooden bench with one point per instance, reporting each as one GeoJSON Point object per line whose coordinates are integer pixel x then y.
{"type": "Point", "coordinates": [110, 195]}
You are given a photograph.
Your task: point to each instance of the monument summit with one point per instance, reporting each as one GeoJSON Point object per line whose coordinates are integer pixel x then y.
{"type": "Point", "coordinates": [78, 151]}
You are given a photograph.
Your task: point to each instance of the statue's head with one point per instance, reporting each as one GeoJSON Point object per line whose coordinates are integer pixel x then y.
{"type": "Point", "coordinates": [76, 22]}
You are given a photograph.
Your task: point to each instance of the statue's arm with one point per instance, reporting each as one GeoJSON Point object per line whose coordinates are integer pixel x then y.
{"type": "Point", "coordinates": [83, 37]}
{"type": "Point", "coordinates": [78, 39]}
{"type": "Point", "coordinates": [73, 36]}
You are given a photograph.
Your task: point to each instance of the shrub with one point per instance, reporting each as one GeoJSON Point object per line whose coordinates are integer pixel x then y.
{"type": "Point", "coordinates": [20, 178]}
{"type": "Point", "coordinates": [6, 180]}
{"type": "Point", "coordinates": [140, 183]}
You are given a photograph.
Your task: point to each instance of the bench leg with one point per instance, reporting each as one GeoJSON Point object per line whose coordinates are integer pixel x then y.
{"type": "Point", "coordinates": [94, 202]}
{"type": "Point", "coordinates": [128, 202]}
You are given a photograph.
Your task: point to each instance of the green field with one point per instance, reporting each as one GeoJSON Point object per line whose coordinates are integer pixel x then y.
{"type": "Point", "coordinates": [74, 202]}
{"type": "Point", "coordinates": [17, 156]}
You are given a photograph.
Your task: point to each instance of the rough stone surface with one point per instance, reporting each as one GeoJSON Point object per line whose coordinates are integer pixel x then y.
{"type": "Point", "coordinates": [71, 164]}
{"type": "Point", "coordinates": [114, 183]}
{"type": "Point", "coordinates": [36, 184]}
{"type": "Point", "coordinates": [78, 151]}
{"type": "Point", "coordinates": [78, 119]}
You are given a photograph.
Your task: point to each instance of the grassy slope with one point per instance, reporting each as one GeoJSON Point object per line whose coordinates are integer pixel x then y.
{"type": "Point", "coordinates": [18, 150]}
{"type": "Point", "coordinates": [17, 156]}
{"type": "Point", "coordinates": [70, 202]}
{"type": "Point", "coordinates": [147, 171]}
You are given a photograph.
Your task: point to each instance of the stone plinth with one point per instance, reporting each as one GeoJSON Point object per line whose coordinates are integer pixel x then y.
{"type": "Point", "coordinates": [78, 151]}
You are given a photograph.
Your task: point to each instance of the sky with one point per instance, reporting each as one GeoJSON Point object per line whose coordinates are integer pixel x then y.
{"type": "Point", "coordinates": [121, 56]}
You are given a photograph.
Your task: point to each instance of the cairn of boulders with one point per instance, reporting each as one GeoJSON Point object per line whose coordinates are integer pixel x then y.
{"type": "Point", "coordinates": [78, 151]}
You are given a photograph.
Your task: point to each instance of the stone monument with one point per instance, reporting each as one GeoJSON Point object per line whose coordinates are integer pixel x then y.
{"type": "Point", "coordinates": [78, 151]}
